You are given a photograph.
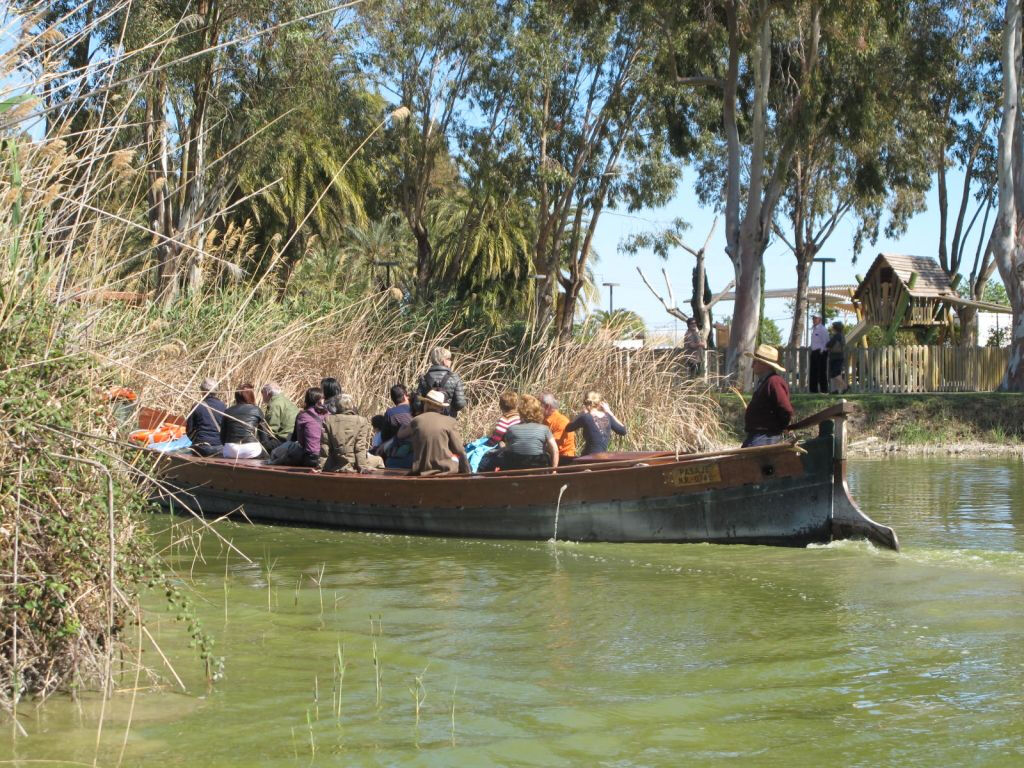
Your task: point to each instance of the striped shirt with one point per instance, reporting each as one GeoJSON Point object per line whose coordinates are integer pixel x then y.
{"type": "Point", "coordinates": [502, 427]}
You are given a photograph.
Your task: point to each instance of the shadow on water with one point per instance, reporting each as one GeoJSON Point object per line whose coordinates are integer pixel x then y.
{"type": "Point", "coordinates": [535, 653]}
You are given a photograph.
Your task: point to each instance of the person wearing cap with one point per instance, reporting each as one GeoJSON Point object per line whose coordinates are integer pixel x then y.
{"type": "Point", "coordinates": [436, 443]}
{"type": "Point", "coordinates": [818, 373]}
{"type": "Point", "coordinates": [769, 411]}
{"type": "Point", "coordinates": [693, 347]}
{"type": "Point", "coordinates": [204, 422]}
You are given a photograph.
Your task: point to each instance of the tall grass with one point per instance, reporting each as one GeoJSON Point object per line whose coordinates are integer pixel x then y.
{"type": "Point", "coordinates": [372, 343]}
{"type": "Point", "coordinates": [73, 222]}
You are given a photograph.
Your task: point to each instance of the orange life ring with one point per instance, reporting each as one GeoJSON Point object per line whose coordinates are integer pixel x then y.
{"type": "Point", "coordinates": [122, 393]}
{"type": "Point", "coordinates": [165, 433]}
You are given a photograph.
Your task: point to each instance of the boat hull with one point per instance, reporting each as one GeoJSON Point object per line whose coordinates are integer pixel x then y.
{"type": "Point", "coordinates": [780, 495]}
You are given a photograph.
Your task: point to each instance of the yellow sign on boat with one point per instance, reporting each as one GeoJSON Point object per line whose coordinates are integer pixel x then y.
{"type": "Point", "coordinates": [699, 474]}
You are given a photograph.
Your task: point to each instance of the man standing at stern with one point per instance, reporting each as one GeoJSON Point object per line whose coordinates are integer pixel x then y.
{"type": "Point", "coordinates": [769, 411]}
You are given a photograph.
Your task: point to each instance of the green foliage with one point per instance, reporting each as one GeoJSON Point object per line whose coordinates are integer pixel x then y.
{"type": "Point", "coordinates": [998, 337]}
{"type": "Point", "coordinates": [769, 332]}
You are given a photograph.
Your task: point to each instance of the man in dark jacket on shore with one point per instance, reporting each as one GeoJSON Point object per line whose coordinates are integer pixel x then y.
{"type": "Point", "coordinates": [769, 411]}
{"type": "Point", "coordinates": [203, 425]}
{"type": "Point", "coordinates": [441, 378]}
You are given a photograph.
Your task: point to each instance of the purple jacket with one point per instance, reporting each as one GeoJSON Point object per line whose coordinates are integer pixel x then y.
{"type": "Point", "coordinates": [308, 427]}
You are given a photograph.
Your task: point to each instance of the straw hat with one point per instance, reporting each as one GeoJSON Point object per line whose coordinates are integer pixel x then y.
{"type": "Point", "coordinates": [435, 398]}
{"type": "Point", "coordinates": [768, 355]}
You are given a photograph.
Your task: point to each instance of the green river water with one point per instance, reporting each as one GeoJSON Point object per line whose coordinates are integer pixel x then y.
{"type": "Point", "coordinates": [615, 655]}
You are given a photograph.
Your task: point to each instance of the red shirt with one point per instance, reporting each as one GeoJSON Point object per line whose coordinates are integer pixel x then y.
{"type": "Point", "coordinates": [769, 411]}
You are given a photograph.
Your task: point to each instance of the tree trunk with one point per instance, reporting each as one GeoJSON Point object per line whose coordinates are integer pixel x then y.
{"type": "Point", "coordinates": [745, 320]}
{"type": "Point", "coordinates": [968, 326]}
{"type": "Point", "coordinates": [1005, 248]}
{"type": "Point", "coordinates": [567, 312]}
{"type": "Point", "coordinates": [804, 261]}
{"type": "Point", "coordinates": [424, 262]}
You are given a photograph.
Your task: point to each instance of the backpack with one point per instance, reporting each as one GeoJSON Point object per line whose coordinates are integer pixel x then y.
{"type": "Point", "coordinates": [422, 389]}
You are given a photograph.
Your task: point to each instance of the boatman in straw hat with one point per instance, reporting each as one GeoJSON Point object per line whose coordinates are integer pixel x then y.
{"type": "Point", "coordinates": [769, 411]}
{"type": "Point", "coordinates": [436, 443]}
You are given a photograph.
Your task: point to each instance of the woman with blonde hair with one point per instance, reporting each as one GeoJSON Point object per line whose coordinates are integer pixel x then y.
{"type": "Point", "coordinates": [597, 422]}
{"type": "Point", "coordinates": [528, 443]}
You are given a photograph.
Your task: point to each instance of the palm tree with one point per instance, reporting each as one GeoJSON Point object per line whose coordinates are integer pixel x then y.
{"type": "Point", "coordinates": [312, 194]}
{"type": "Point", "coordinates": [482, 252]}
{"type": "Point", "coordinates": [385, 239]}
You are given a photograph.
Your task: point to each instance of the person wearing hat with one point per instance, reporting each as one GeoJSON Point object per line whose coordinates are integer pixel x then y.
{"type": "Point", "coordinates": [436, 443]}
{"type": "Point", "coordinates": [818, 373]}
{"type": "Point", "coordinates": [693, 347]}
{"type": "Point", "coordinates": [769, 411]}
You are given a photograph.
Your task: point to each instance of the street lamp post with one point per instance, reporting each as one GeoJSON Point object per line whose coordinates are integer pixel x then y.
{"type": "Point", "coordinates": [387, 265]}
{"type": "Point", "coordinates": [611, 296]}
{"type": "Point", "coordinates": [823, 262]}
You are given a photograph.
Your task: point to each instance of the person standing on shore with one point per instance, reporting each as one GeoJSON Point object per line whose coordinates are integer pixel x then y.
{"type": "Point", "coordinates": [693, 348]}
{"type": "Point", "coordinates": [837, 359]}
{"type": "Point", "coordinates": [769, 411]}
{"type": "Point", "coordinates": [818, 374]}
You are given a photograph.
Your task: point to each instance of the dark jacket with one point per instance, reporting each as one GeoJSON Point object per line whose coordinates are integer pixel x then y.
{"type": "Point", "coordinates": [769, 411]}
{"type": "Point", "coordinates": [597, 432]}
{"type": "Point", "coordinates": [243, 423]}
{"type": "Point", "coordinates": [440, 377]}
{"type": "Point", "coordinates": [203, 425]}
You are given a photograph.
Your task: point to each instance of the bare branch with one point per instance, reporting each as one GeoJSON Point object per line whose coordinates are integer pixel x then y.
{"type": "Point", "coordinates": [729, 286]}
{"type": "Point", "coordinates": [674, 311]}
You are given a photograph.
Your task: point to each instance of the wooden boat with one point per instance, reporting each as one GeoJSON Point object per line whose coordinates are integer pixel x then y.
{"type": "Point", "coordinates": [790, 494]}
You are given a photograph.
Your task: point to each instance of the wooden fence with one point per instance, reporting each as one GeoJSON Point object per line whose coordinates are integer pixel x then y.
{"type": "Point", "coordinates": [899, 369]}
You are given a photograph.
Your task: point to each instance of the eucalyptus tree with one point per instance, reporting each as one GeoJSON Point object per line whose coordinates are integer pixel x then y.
{"type": "Point", "coordinates": [585, 102]}
{"type": "Point", "coordinates": [193, 61]}
{"type": "Point", "coordinates": [424, 54]}
{"type": "Point", "coordinates": [748, 76]}
{"type": "Point", "coordinates": [1006, 240]}
{"type": "Point", "coordinates": [952, 54]}
{"type": "Point", "coordinates": [864, 152]}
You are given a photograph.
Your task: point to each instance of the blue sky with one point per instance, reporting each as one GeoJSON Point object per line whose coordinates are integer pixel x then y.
{"type": "Point", "coordinates": [921, 238]}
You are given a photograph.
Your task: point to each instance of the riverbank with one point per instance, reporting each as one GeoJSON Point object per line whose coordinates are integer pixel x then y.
{"type": "Point", "coordinates": [968, 423]}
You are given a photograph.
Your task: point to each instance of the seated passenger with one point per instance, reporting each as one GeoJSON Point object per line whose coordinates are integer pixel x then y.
{"type": "Point", "coordinates": [597, 422]}
{"type": "Point", "coordinates": [243, 427]}
{"type": "Point", "coordinates": [204, 422]}
{"type": "Point", "coordinates": [303, 450]}
{"type": "Point", "coordinates": [397, 453]}
{"type": "Point", "coordinates": [345, 439]}
{"type": "Point", "coordinates": [377, 424]}
{"type": "Point", "coordinates": [279, 412]}
{"type": "Point", "coordinates": [557, 422]}
{"type": "Point", "coordinates": [436, 443]}
{"type": "Point", "coordinates": [332, 391]}
{"type": "Point", "coordinates": [528, 443]}
{"type": "Point", "coordinates": [508, 402]}
{"type": "Point", "coordinates": [441, 377]}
